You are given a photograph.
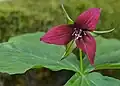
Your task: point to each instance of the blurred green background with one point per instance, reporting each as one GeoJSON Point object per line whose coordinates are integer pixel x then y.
{"type": "Point", "coordinates": [27, 16]}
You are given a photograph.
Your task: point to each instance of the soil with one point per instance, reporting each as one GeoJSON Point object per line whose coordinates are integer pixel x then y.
{"type": "Point", "coordinates": [36, 77]}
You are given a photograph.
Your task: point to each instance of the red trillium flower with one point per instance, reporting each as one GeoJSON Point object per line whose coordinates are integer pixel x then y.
{"type": "Point", "coordinates": [79, 31]}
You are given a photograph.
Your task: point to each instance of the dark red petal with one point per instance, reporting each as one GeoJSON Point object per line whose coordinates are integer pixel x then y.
{"type": "Point", "coordinates": [59, 35]}
{"type": "Point", "coordinates": [88, 45]}
{"type": "Point", "coordinates": [88, 19]}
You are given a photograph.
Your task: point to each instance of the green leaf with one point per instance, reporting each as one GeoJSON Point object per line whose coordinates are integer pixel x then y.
{"type": "Point", "coordinates": [92, 79]}
{"type": "Point", "coordinates": [107, 55]}
{"type": "Point", "coordinates": [108, 52]}
{"type": "Point", "coordinates": [74, 81]}
{"type": "Point", "coordinates": [108, 66]}
{"type": "Point", "coordinates": [24, 52]}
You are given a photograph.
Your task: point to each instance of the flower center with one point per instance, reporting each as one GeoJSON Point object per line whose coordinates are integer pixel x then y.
{"type": "Point", "coordinates": [78, 33]}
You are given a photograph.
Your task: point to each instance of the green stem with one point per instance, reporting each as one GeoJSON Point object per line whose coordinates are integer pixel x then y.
{"type": "Point", "coordinates": [81, 61]}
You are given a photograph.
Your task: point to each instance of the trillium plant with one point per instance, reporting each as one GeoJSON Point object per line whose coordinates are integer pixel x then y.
{"type": "Point", "coordinates": [78, 32]}
{"type": "Point", "coordinates": [75, 46]}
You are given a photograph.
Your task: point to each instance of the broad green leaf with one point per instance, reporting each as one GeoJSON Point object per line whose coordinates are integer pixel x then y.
{"type": "Point", "coordinates": [108, 54]}
{"type": "Point", "coordinates": [26, 51]}
{"type": "Point", "coordinates": [92, 79]}
{"type": "Point", "coordinates": [74, 81]}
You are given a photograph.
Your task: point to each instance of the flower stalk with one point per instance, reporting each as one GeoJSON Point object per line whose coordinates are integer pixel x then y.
{"type": "Point", "coordinates": [81, 61]}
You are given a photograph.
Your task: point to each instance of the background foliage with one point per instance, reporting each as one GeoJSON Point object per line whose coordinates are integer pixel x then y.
{"type": "Point", "coordinates": [22, 16]}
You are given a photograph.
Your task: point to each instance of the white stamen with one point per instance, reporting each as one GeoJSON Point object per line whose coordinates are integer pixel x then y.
{"type": "Point", "coordinates": [73, 33]}
{"type": "Point", "coordinates": [84, 33]}
{"type": "Point", "coordinates": [78, 33]}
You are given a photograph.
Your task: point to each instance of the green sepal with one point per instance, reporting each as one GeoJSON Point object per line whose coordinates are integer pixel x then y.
{"type": "Point", "coordinates": [106, 31]}
{"type": "Point", "coordinates": [69, 48]}
{"type": "Point", "coordinates": [69, 20]}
